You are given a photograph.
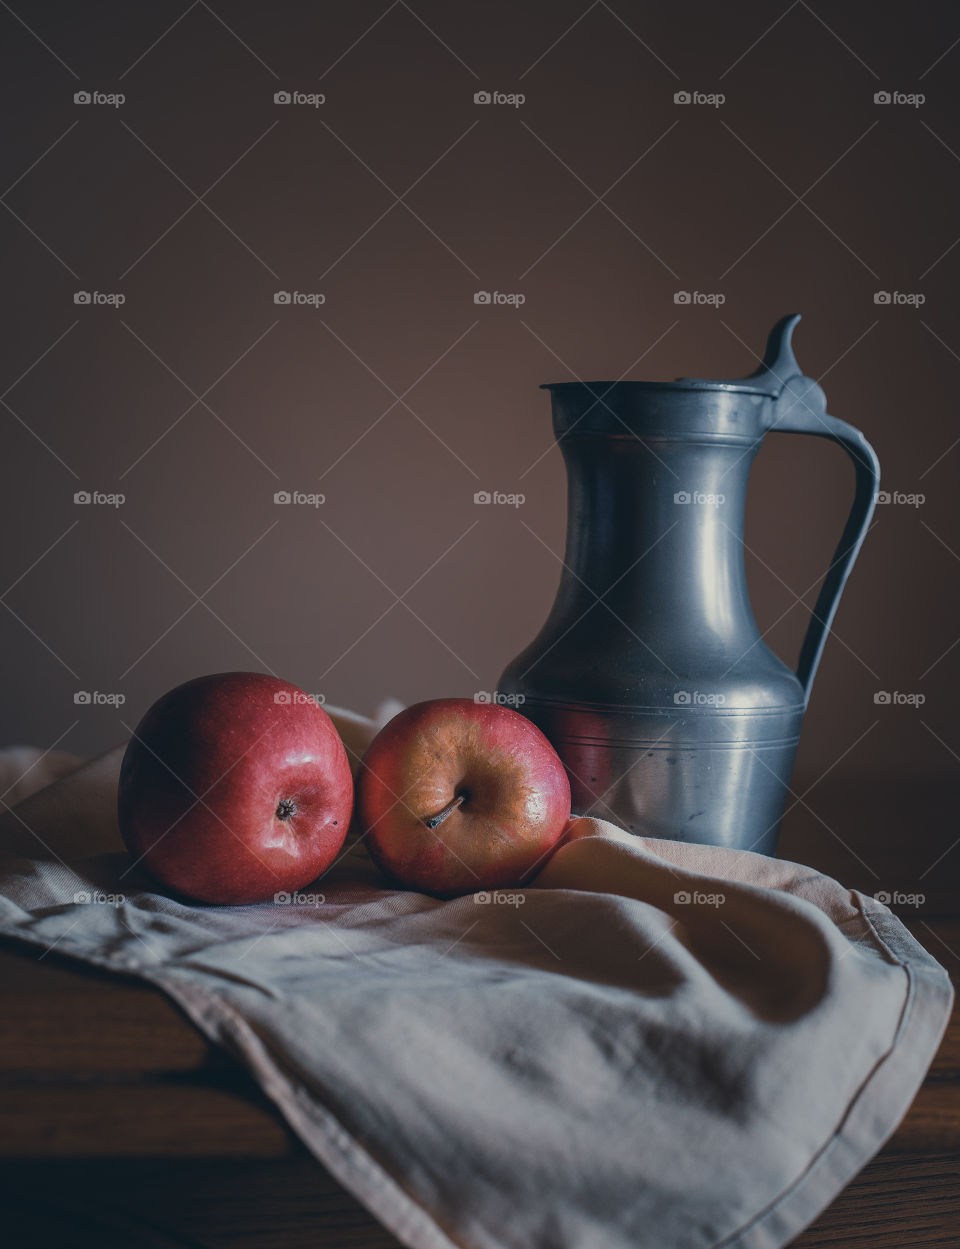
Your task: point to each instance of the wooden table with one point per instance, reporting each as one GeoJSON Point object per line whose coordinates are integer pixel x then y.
{"type": "Point", "coordinates": [120, 1125]}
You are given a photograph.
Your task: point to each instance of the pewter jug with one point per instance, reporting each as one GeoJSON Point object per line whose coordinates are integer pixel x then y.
{"type": "Point", "coordinates": [650, 676]}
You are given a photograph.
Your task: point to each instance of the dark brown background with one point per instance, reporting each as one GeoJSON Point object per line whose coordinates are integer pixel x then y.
{"type": "Point", "coordinates": [798, 194]}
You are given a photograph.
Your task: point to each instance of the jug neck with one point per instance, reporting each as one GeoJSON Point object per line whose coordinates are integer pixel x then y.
{"type": "Point", "coordinates": [655, 529]}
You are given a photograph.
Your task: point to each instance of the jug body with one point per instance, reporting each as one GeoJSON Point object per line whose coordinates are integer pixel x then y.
{"type": "Point", "coordinates": [650, 676]}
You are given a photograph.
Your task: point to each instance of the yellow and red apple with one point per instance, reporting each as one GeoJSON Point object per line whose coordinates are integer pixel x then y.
{"type": "Point", "coordinates": [455, 796]}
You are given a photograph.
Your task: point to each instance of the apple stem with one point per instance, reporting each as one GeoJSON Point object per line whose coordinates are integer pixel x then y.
{"type": "Point", "coordinates": [436, 820]}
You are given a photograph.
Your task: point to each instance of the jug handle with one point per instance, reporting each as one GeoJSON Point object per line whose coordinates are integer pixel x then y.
{"type": "Point", "coordinates": [802, 409]}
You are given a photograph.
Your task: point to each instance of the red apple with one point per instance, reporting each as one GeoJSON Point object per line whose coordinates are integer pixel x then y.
{"type": "Point", "coordinates": [235, 787]}
{"type": "Point", "coordinates": [455, 796]}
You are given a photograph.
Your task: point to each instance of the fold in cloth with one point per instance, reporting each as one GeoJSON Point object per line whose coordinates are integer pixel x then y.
{"type": "Point", "coordinates": [655, 1044]}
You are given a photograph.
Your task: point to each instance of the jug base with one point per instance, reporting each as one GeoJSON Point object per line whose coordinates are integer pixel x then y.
{"type": "Point", "coordinates": [715, 778]}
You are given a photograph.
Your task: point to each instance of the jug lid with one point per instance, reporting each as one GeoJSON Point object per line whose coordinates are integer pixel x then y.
{"type": "Point", "coordinates": [777, 366]}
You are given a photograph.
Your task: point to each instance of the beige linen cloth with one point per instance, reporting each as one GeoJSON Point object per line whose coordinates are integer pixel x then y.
{"type": "Point", "coordinates": [655, 1045]}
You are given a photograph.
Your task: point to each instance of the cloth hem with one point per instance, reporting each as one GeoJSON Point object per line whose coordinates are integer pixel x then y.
{"type": "Point", "coordinates": [874, 1114]}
